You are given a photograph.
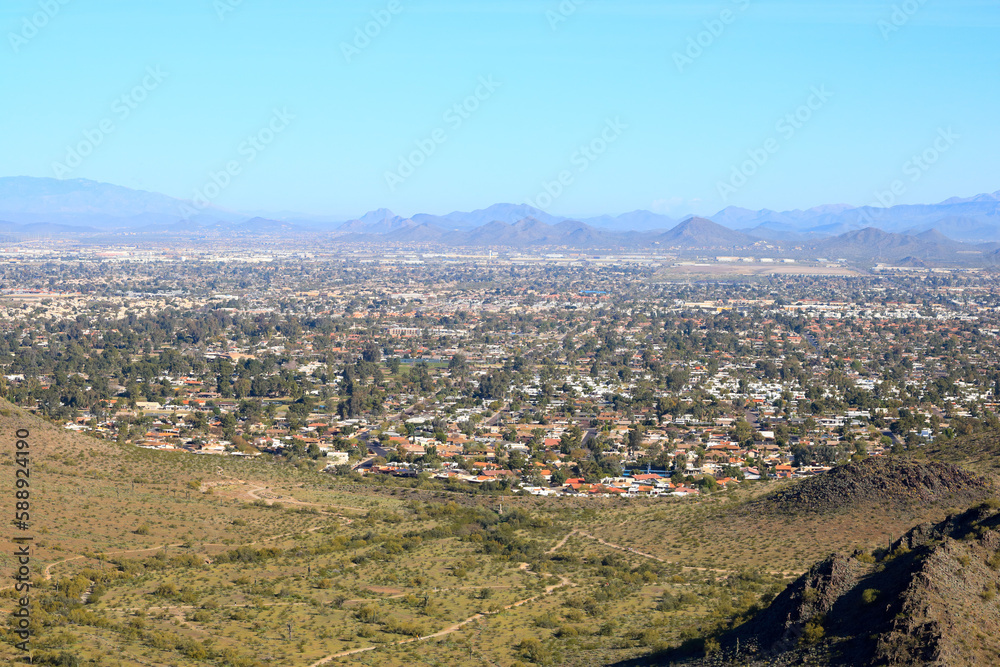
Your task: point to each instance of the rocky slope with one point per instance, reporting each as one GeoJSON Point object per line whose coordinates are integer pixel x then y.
{"type": "Point", "coordinates": [929, 599]}
{"type": "Point", "coordinates": [886, 481]}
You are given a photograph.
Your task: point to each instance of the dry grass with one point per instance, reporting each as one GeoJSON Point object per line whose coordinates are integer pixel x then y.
{"type": "Point", "coordinates": [362, 567]}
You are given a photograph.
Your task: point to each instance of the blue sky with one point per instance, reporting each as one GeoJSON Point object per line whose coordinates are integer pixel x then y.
{"type": "Point", "coordinates": [167, 96]}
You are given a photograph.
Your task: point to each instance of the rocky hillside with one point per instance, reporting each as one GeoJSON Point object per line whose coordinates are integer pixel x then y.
{"type": "Point", "coordinates": [980, 452]}
{"type": "Point", "coordinates": [886, 481]}
{"type": "Point", "coordinates": [929, 599]}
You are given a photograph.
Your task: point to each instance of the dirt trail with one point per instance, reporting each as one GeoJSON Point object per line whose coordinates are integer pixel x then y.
{"type": "Point", "coordinates": [630, 550]}
{"type": "Point", "coordinates": [254, 494]}
{"type": "Point", "coordinates": [561, 543]}
{"type": "Point", "coordinates": [47, 572]}
{"type": "Point", "coordinates": [48, 568]}
{"type": "Point", "coordinates": [563, 581]}
{"type": "Point", "coordinates": [174, 609]}
{"type": "Point", "coordinates": [250, 495]}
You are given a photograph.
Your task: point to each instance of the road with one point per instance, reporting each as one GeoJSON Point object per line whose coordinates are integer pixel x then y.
{"type": "Point", "coordinates": [495, 419]}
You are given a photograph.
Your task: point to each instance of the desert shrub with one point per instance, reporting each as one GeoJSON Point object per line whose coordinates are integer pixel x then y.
{"type": "Point", "coordinates": [567, 631]}
{"type": "Point", "coordinates": [870, 595]}
{"type": "Point", "coordinates": [62, 659]}
{"type": "Point", "coordinates": [533, 650]}
{"type": "Point", "coordinates": [166, 590]}
{"type": "Point", "coordinates": [366, 614]}
{"type": "Point", "coordinates": [548, 621]}
{"type": "Point", "coordinates": [607, 629]}
{"type": "Point", "coordinates": [674, 602]}
{"type": "Point", "coordinates": [813, 632]}
{"type": "Point", "coordinates": [96, 593]}
{"type": "Point", "coordinates": [399, 627]}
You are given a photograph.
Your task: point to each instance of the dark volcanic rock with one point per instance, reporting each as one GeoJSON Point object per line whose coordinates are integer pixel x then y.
{"type": "Point", "coordinates": [930, 599]}
{"type": "Point", "coordinates": [882, 480]}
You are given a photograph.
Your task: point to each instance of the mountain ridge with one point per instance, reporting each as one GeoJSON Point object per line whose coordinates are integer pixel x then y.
{"type": "Point", "coordinates": [958, 230]}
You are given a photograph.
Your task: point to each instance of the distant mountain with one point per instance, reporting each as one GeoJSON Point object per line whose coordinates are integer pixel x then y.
{"type": "Point", "coordinates": [875, 244]}
{"type": "Point", "coordinates": [735, 217]}
{"type": "Point", "coordinates": [957, 230]}
{"type": "Point", "coordinates": [779, 231]}
{"type": "Point", "coordinates": [639, 221]}
{"type": "Point", "coordinates": [80, 202]}
{"type": "Point", "coordinates": [703, 233]}
{"type": "Point", "coordinates": [528, 232]}
{"type": "Point", "coordinates": [936, 237]}
{"type": "Point", "coordinates": [970, 229]}
{"type": "Point", "coordinates": [264, 226]}
{"type": "Point", "coordinates": [382, 221]}
{"type": "Point", "coordinates": [532, 232]}
{"type": "Point", "coordinates": [792, 221]}
{"type": "Point", "coordinates": [971, 219]}
{"type": "Point", "coordinates": [12, 232]}
{"type": "Point", "coordinates": [977, 199]}
{"type": "Point", "coordinates": [508, 213]}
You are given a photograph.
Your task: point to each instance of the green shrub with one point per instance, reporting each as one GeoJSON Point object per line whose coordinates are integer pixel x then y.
{"type": "Point", "coordinates": [567, 631]}
{"type": "Point", "coordinates": [870, 595]}
{"type": "Point", "coordinates": [813, 632]}
{"type": "Point", "coordinates": [366, 614]}
{"type": "Point", "coordinates": [548, 621]}
{"type": "Point", "coordinates": [533, 650]}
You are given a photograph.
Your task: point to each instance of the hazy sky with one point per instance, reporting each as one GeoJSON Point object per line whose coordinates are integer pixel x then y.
{"type": "Point", "coordinates": [667, 98]}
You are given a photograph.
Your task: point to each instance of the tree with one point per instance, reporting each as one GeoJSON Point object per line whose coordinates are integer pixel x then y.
{"type": "Point", "coordinates": [860, 452]}
{"type": "Point", "coordinates": [634, 439]}
{"type": "Point", "coordinates": [458, 365]}
{"type": "Point", "coordinates": [743, 432]}
{"type": "Point", "coordinates": [559, 477]}
{"type": "Point", "coordinates": [371, 353]}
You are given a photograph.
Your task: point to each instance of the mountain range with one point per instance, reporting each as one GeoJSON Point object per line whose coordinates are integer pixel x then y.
{"type": "Point", "coordinates": [964, 230]}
